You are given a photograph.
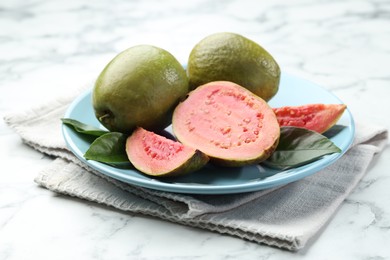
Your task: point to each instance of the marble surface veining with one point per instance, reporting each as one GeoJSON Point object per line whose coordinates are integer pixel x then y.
{"type": "Point", "coordinates": [48, 48]}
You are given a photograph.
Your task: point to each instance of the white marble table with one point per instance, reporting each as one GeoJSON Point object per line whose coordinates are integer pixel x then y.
{"type": "Point", "coordinates": [50, 47]}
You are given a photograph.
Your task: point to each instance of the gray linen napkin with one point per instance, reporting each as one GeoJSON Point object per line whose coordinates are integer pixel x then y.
{"type": "Point", "coordinates": [285, 217]}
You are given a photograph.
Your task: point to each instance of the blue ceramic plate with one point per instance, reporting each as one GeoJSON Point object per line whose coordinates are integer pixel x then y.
{"type": "Point", "coordinates": [219, 180]}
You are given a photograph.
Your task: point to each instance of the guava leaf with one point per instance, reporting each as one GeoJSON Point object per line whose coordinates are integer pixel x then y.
{"type": "Point", "coordinates": [83, 128]}
{"type": "Point", "coordinates": [299, 146]}
{"type": "Point", "coordinates": [109, 148]}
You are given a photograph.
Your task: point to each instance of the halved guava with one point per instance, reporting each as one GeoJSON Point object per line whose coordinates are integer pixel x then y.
{"type": "Point", "coordinates": [157, 155]}
{"type": "Point", "coordinates": [315, 117]}
{"type": "Point", "coordinates": [230, 124]}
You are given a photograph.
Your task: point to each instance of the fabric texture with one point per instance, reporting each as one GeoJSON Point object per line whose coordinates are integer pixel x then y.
{"type": "Point", "coordinates": [285, 217]}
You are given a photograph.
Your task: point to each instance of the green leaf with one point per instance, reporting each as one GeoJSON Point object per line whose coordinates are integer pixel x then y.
{"type": "Point", "coordinates": [109, 148]}
{"type": "Point", "coordinates": [83, 128]}
{"type": "Point", "coordinates": [299, 146]}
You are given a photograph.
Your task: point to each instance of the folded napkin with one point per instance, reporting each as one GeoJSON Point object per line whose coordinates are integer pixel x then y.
{"type": "Point", "coordinates": [285, 217]}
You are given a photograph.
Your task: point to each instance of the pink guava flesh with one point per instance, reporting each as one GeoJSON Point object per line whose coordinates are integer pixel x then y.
{"type": "Point", "coordinates": [228, 123]}
{"type": "Point", "coordinates": [157, 155]}
{"type": "Point", "coordinates": [315, 117]}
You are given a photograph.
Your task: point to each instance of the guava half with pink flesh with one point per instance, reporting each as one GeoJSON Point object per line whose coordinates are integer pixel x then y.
{"type": "Point", "coordinates": [230, 124]}
{"type": "Point", "coordinates": [157, 155]}
{"type": "Point", "coordinates": [315, 117]}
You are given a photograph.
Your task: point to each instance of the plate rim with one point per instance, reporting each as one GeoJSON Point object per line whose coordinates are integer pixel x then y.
{"type": "Point", "coordinates": [211, 189]}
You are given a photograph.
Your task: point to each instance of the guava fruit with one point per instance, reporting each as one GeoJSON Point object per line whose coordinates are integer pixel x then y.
{"type": "Point", "coordinates": [157, 155]}
{"type": "Point", "coordinates": [139, 87]}
{"type": "Point", "coordinates": [227, 122]}
{"type": "Point", "coordinates": [232, 57]}
{"type": "Point", "coordinates": [315, 117]}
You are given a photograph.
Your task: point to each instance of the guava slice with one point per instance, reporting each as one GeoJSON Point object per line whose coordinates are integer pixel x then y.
{"type": "Point", "coordinates": [230, 124]}
{"type": "Point", "coordinates": [157, 155]}
{"type": "Point", "coordinates": [315, 117]}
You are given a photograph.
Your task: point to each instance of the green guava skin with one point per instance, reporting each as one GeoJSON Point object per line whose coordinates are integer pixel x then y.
{"type": "Point", "coordinates": [232, 57]}
{"type": "Point", "coordinates": [141, 87]}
